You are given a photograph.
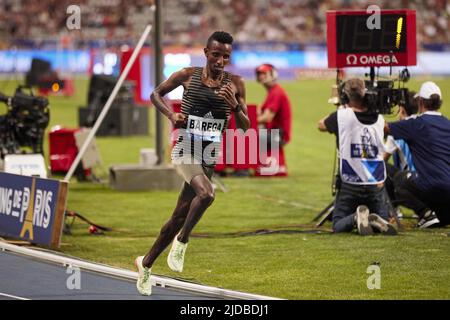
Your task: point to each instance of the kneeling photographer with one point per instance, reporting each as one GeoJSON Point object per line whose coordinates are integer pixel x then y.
{"type": "Point", "coordinates": [403, 160]}
{"type": "Point", "coordinates": [428, 137]}
{"type": "Point", "coordinates": [360, 201]}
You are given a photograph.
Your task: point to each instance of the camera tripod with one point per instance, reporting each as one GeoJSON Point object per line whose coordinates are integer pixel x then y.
{"type": "Point", "coordinates": [324, 215]}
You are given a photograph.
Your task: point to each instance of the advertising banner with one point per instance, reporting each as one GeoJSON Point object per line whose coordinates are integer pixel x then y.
{"type": "Point", "coordinates": [32, 209]}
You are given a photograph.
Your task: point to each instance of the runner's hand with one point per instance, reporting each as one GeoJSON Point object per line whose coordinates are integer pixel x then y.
{"type": "Point", "coordinates": [228, 94]}
{"type": "Point", "coordinates": [177, 119]}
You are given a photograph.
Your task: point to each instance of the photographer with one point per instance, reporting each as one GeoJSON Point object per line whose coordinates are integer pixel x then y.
{"type": "Point", "coordinates": [401, 153]}
{"type": "Point", "coordinates": [359, 138]}
{"type": "Point", "coordinates": [428, 137]}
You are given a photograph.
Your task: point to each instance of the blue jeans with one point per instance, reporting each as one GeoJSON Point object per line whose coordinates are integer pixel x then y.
{"type": "Point", "coordinates": [349, 197]}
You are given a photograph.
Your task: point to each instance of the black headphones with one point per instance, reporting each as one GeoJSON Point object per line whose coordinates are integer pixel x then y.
{"type": "Point", "coordinates": [343, 96]}
{"type": "Point", "coordinates": [268, 68]}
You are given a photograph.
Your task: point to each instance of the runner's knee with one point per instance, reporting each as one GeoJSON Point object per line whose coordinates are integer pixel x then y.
{"type": "Point", "coordinates": [206, 197]}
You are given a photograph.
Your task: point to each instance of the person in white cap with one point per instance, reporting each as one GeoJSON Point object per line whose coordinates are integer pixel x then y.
{"type": "Point", "coordinates": [401, 154]}
{"type": "Point", "coordinates": [428, 137]}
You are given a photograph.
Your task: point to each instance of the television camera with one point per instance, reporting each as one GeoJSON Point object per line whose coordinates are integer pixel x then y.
{"type": "Point", "coordinates": [381, 95]}
{"type": "Point", "coordinates": [24, 123]}
{"type": "Point", "coordinates": [353, 40]}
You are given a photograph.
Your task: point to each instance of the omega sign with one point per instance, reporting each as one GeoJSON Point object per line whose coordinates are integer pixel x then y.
{"type": "Point", "coordinates": [380, 59]}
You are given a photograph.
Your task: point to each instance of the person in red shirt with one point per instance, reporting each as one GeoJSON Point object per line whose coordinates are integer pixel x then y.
{"type": "Point", "coordinates": [275, 112]}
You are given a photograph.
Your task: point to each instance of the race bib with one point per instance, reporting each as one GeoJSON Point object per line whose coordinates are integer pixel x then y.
{"type": "Point", "coordinates": [205, 128]}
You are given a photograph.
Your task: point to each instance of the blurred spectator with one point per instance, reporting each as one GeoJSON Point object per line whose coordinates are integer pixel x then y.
{"type": "Point", "coordinates": [186, 22]}
{"type": "Point", "coordinates": [275, 113]}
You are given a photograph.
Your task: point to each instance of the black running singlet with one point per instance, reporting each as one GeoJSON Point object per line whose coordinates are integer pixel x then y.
{"type": "Point", "coordinates": [207, 115]}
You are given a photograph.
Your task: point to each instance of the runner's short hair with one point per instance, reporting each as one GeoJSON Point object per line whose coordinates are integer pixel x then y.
{"type": "Point", "coordinates": [220, 36]}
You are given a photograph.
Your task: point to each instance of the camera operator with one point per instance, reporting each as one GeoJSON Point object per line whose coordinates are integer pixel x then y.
{"type": "Point", "coordinates": [428, 137]}
{"type": "Point", "coordinates": [359, 138]}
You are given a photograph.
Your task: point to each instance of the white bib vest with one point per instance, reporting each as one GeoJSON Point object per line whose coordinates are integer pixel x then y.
{"type": "Point", "coordinates": [361, 149]}
{"type": "Point", "coordinates": [205, 128]}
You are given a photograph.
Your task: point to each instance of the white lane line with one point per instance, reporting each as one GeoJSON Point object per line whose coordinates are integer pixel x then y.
{"type": "Point", "coordinates": [14, 297]}
{"type": "Point", "coordinates": [128, 274]}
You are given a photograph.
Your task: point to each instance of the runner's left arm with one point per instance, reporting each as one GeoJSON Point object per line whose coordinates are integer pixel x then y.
{"type": "Point", "coordinates": [234, 95]}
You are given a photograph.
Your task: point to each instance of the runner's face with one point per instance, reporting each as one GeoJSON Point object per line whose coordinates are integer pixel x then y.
{"type": "Point", "coordinates": [218, 56]}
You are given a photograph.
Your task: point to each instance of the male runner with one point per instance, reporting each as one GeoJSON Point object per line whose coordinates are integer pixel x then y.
{"type": "Point", "coordinates": [210, 95]}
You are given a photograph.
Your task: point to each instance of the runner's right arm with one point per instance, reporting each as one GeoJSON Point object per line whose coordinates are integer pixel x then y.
{"type": "Point", "coordinates": [179, 78]}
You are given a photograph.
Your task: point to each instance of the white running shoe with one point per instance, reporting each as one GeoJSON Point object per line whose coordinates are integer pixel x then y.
{"type": "Point", "coordinates": [379, 224]}
{"type": "Point", "coordinates": [175, 259]}
{"type": "Point", "coordinates": [362, 221]}
{"type": "Point", "coordinates": [143, 283]}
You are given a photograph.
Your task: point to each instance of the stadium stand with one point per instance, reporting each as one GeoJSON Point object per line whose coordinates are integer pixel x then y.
{"type": "Point", "coordinates": [188, 22]}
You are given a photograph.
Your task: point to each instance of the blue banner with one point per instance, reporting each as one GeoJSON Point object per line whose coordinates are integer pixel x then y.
{"type": "Point", "coordinates": [251, 59]}
{"type": "Point", "coordinates": [76, 61]}
{"type": "Point", "coordinates": [31, 208]}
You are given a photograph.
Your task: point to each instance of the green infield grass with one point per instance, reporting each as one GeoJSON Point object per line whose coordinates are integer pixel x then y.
{"type": "Point", "coordinates": [293, 262]}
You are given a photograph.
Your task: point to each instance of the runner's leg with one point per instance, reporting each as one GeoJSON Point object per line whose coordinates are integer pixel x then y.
{"type": "Point", "coordinates": [173, 226]}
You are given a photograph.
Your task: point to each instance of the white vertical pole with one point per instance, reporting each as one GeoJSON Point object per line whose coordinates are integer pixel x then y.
{"type": "Point", "coordinates": [108, 103]}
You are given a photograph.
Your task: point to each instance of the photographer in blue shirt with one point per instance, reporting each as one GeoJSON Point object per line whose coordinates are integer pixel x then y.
{"type": "Point", "coordinates": [401, 154]}
{"type": "Point", "coordinates": [428, 137]}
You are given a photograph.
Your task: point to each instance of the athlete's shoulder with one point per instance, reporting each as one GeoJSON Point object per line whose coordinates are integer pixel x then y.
{"type": "Point", "coordinates": [182, 76]}
{"type": "Point", "coordinates": [237, 81]}
{"type": "Point", "coordinates": [235, 78]}
{"type": "Point", "coordinates": [187, 72]}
